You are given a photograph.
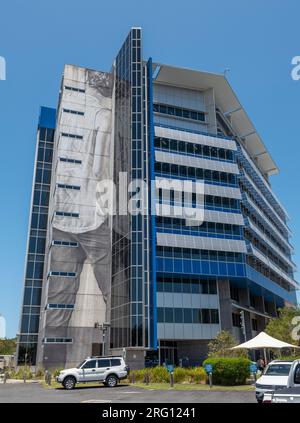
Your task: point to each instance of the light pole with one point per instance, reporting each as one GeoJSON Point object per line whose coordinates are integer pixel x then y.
{"type": "Point", "coordinates": [104, 328]}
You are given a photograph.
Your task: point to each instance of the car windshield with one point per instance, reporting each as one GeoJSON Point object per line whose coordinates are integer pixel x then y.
{"type": "Point", "coordinates": [81, 364]}
{"type": "Point", "coordinates": [278, 370]}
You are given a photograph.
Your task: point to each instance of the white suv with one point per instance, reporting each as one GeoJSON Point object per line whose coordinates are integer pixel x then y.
{"type": "Point", "coordinates": [108, 370]}
{"type": "Point", "coordinates": [273, 378]}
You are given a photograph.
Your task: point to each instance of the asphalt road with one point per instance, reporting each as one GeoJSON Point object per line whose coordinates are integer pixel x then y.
{"type": "Point", "coordinates": [35, 393]}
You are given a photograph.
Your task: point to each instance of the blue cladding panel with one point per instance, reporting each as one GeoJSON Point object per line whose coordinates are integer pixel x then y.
{"type": "Point", "coordinates": [266, 283]}
{"type": "Point", "coordinates": [153, 308]}
{"type": "Point", "coordinates": [47, 118]}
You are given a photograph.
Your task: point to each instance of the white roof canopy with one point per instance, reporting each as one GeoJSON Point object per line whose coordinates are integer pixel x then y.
{"type": "Point", "coordinates": [228, 103]}
{"type": "Point", "coordinates": [263, 340]}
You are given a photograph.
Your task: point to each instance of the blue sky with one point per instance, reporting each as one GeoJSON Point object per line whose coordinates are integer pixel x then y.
{"type": "Point", "coordinates": [255, 39]}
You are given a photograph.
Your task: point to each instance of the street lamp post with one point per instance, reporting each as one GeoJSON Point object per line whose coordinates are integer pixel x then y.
{"type": "Point", "coordinates": [104, 328]}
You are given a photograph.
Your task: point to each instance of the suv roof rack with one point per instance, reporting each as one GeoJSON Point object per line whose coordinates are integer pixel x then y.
{"type": "Point", "coordinates": [104, 356]}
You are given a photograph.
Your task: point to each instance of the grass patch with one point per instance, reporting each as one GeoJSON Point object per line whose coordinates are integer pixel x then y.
{"type": "Point", "coordinates": [193, 387]}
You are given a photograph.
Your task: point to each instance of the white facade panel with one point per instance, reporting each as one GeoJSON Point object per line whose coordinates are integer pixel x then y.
{"type": "Point", "coordinates": [195, 138]}
{"type": "Point", "coordinates": [172, 158]}
{"type": "Point", "coordinates": [202, 243]}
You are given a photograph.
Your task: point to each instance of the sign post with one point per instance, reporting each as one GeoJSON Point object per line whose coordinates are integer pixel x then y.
{"type": "Point", "coordinates": [209, 371]}
{"type": "Point", "coordinates": [253, 370]}
{"type": "Point", "coordinates": [170, 369]}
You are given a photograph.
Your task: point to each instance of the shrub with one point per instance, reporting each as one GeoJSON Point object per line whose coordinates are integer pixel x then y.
{"type": "Point", "coordinates": [159, 374]}
{"type": "Point", "coordinates": [13, 374]}
{"type": "Point", "coordinates": [222, 344]}
{"type": "Point", "coordinates": [139, 375]}
{"type": "Point", "coordinates": [229, 371]}
{"type": "Point", "coordinates": [55, 372]}
{"type": "Point", "coordinates": [39, 373]}
{"type": "Point", "coordinates": [197, 375]}
{"type": "Point", "coordinates": [287, 357]}
{"type": "Point", "coordinates": [181, 375]}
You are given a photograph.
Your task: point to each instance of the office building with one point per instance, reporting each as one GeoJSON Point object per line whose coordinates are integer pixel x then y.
{"type": "Point", "coordinates": [197, 243]}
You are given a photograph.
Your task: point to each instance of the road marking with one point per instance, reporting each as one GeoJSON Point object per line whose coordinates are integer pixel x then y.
{"type": "Point", "coordinates": [131, 392]}
{"type": "Point", "coordinates": [97, 401]}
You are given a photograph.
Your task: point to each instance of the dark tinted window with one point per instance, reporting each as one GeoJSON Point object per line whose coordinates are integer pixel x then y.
{"type": "Point", "coordinates": [104, 363]}
{"type": "Point", "coordinates": [90, 365]}
{"type": "Point", "coordinates": [297, 375]}
{"type": "Point", "coordinates": [115, 362]}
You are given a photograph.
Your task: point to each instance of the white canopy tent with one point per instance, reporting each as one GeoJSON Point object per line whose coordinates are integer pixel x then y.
{"type": "Point", "coordinates": [264, 341]}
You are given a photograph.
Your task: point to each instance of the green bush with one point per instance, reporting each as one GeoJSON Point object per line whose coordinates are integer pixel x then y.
{"type": "Point", "coordinates": [55, 372]}
{"type": "Point", "coordinates": [39, 373]}
{"type": "Point", "coordinates": [197, 375]}
{"type": "Point", "coordinates": [229, 371]}
{"type": "Point", "coordinates": [139, 375]}
{"type": "Point", "coordinates": [19, 374]}
{"type": "Point", "coordinates": [287, 358]}
{"type": "Point", "coordinates": [181, 375]}
{"type": "Point", "coordinates": [159, 374]}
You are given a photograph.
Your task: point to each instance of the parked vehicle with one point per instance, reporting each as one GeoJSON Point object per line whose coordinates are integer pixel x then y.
{"type": "Point", "coordinates": [290, 394]}
{"type": "Point", "coordinates": [273, 378]}
{"type": "Point", "coordinates": [109, 370]}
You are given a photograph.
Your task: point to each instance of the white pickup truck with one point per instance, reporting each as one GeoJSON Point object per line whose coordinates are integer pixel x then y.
{"type": "Point", "coordinates": [290, 394]}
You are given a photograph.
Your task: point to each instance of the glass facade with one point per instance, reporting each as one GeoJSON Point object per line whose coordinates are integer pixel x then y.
{"type": "Point", "coordinates": [130, 276]}
{"type": "Point", "coordinates": [29, 326]}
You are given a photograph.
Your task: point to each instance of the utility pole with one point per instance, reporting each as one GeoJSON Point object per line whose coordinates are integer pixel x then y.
{"type": "Point", "coordinates": [103, 328]}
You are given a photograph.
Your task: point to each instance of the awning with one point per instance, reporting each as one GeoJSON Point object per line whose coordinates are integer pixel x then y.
{"type": "Point", "coordinates": [263, 340]}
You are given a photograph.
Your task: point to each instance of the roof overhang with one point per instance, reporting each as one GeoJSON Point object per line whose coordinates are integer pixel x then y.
{"type": "Point", "coordinates": [227, 102]}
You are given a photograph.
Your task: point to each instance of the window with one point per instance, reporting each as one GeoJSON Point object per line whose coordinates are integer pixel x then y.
{"type": "Point", "coordinates": [92, 364]}
{"type": "Point", "coordinates": [278, 370]}
{"type": "Point", "coordinates": [179, 112]}
{"type": "Point", "coordinates": [104, 363]}
{"type": "Point", "coordinates": [57, 340]}
{"type": "Point", "coordinates": [61, 243]}
{"type": "Point", "coordinates": [79, 90]}
{"type": "Point", "coordinates": [214, 316]}
{"type": "Point", "coordinates": [66, 214]}
{"type": "Point", "coordinates": [66, 186]}
{"type": "Point", "coordinates": [234, 293]}
{"type": "Point", "coordinates": [60, 306]}
{"type": "Point", "coordinates": [252, 301]}
{"type": "Point", "coordinates": [205, 315]}
{"type": "Point", "coordinates": [63, 274]}
{"type": "Point", "coordinates": [187, 315]}
{"type": "Point", "coordinates": [115, 362]}
{"type": "Point", "coordinates": [73, 112]}
{"type": "Point", "coordinates": [67, 160]}
{"type": "Point", "coordinates": [75, 136]}
{"type": "Point", "coordinates": [236, 322]}
{"type": "Point", "coordinates": [254, 325]}
{"type": "Point", "coordinates": [297, 375]}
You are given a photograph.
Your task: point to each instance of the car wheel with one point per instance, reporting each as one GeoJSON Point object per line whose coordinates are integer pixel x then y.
{"type": "Point", "coordinates": [111, 381]}
{"type": "Point", "coordinates": [69, 382]}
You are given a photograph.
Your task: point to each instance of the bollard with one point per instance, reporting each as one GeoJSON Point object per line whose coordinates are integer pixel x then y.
{"type": "Point", "coordinates": [171, 379]}
{"type": "Point", "coordinates": [147, 379]}
{"type": "Point", "coordinates": [132, 378]}
{"type": "Point", "coordinates": [210, 379]}
{"type": "Point", "coordinates": [24, 377]}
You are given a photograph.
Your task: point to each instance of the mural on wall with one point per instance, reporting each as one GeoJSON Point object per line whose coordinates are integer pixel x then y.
{"type": "Point", "coordinates": [88, 259]}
